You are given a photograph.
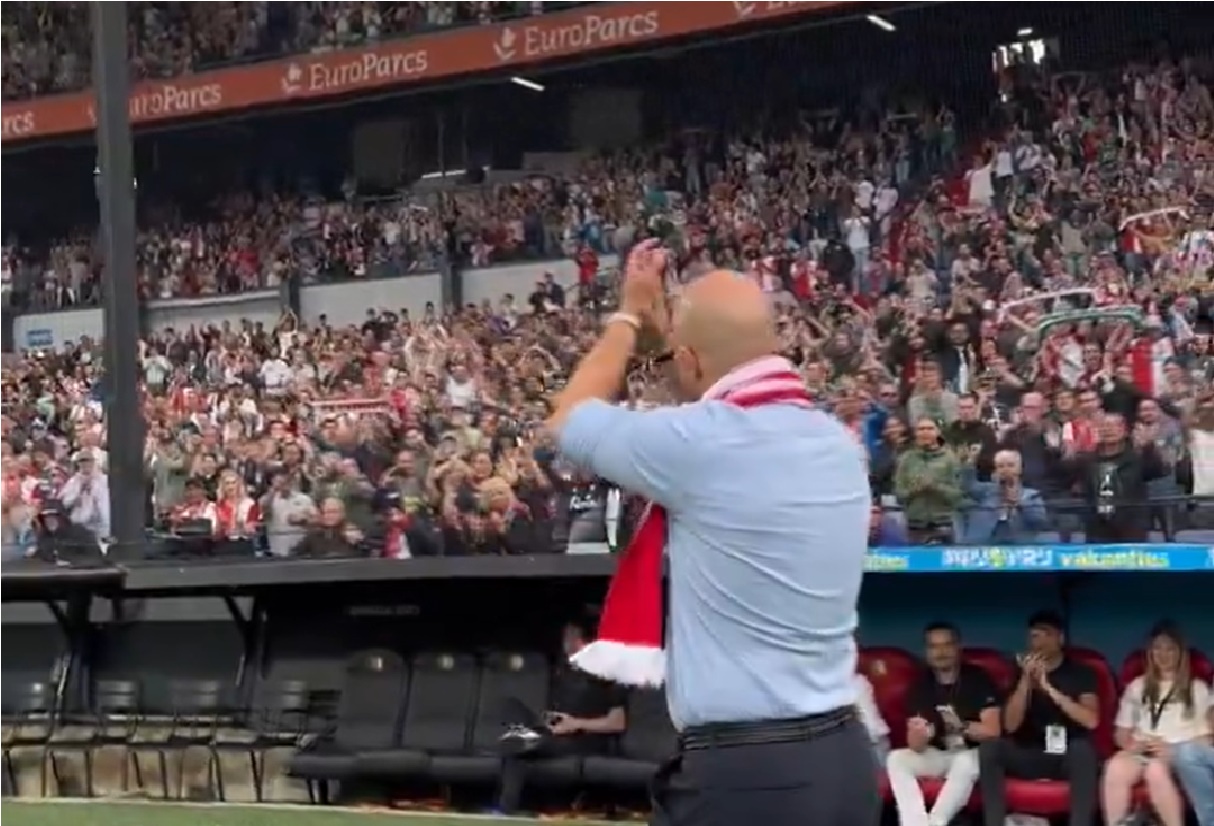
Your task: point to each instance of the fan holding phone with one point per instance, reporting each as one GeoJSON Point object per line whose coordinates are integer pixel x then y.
{"type": "Point", "coordinates": [953, 708]}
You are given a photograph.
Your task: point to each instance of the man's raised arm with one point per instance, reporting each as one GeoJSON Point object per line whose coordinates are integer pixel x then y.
{"type": "Point", "coordinates": [644, 453]}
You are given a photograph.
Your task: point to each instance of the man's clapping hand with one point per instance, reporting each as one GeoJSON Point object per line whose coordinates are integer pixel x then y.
{"type": "Point", "coordinates": [642, 293]}
{"type": "Point", "coordinates": [1032, 669]}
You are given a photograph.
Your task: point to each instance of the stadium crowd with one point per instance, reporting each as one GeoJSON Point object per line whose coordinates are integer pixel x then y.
{"type": "Point", "coordinates": [1017, 329]}
{"type": "Point", "coordinates": [47, 46]}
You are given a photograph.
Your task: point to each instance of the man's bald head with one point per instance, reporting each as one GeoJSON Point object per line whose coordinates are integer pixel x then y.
{"type": "Point", "coordinates": [726, 320]}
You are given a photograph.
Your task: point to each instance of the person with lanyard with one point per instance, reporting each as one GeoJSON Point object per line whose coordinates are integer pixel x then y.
{"type": "Point", "coordinates": [1049, 719]}
{"type": "Point", "coordinates": [761, 502]}
{"type": "Point", "coordinates": [1161, 717]}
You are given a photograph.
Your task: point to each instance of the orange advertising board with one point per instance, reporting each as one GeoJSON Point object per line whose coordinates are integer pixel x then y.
{"type": "Point", "coordinates": [591, 28]}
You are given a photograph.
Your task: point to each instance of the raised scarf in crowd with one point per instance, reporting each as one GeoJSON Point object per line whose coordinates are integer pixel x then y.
{"type": "Point", "coordinates": [629, 645]}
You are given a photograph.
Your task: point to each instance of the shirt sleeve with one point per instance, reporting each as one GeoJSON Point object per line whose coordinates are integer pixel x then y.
{"type": "Point", "coordinates": [986, 693]}
{"type": "Point", "coordinates": [1201, 700]}
{"type": "Point", "coordinates": [1086, 682]}
{"type": "Point", "coordinates": [643, 452]}
{"type": "Point", "coordinates": [1128, 709]}
{"type": "Point", "coordinates": [870, 713]}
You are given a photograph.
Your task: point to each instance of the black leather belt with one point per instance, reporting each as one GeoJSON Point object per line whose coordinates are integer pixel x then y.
{"type": "Point", "coordinates": [762, 732]}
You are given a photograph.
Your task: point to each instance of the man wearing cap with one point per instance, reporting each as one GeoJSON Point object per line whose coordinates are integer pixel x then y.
{"type": "Point", "coordinates": [61, 540]}
{"type": "Point", "coordinates": [86, 496]}
{"type": "Point", "coordinates": [761, 504]}
{"type": "Point", "coordinates": [1049, 720]}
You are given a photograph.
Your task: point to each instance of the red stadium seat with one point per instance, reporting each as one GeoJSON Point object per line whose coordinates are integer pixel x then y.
{"type": "Point", "coordinates": [1135, 664]}
{"type": "Point", "coordinates": [892, 671]}
{"type": "Point", "coordinates": [996, 663]}
{"type": "Point", "coordinates": [1051, 798]}
{"type": "Point", "coordinates": [1108, 695]}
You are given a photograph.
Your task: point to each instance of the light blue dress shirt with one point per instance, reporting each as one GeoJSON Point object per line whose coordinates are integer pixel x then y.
{"type": "Point", "coordinates": [768, 529]}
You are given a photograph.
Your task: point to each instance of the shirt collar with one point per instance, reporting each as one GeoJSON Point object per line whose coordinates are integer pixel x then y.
{"type": "Point", "coordinates": [746, 373]}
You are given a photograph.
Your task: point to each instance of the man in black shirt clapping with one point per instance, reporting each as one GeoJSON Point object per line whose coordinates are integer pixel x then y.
{"type": "Point", "coordinates": [950, 710]}
{"type": "Point", "coordinates": [1049, 718]}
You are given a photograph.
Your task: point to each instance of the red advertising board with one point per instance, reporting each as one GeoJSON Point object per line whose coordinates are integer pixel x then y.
{"type": "Point", "coordinates": [592, 28]}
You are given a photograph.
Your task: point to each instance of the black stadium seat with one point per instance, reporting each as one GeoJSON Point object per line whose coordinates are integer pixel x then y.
{"type": "Point", "coordinates": [368, 717]}
{"type": "Point", "coordinates": [504, 676]}
{"type": "Point", "coordinates": [649, 739]}
{"type": "Point", "coordinates": [278, 718]}
{"type": "Point", "coordinates": [28, 723]}
{"type": "Point", "coordinates": [441, 701]}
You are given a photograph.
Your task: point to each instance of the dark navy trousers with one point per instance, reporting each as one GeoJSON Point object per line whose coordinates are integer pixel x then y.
{"type": "Point", "coordinates": [824, 781]}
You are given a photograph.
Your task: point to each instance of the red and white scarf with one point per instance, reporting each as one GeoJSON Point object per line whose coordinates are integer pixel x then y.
{"type": "Point", "coordinates": [629, 645]}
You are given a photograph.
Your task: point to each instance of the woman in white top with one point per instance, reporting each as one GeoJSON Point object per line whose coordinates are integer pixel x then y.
{"type": "Point", "coordinates": [1159, 712]}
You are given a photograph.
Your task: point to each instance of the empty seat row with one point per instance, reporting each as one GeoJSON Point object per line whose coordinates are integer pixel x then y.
{"type": "Point", "coordinates": [439, 717]}
{"type": "Point", "coordinates": [201, 715]}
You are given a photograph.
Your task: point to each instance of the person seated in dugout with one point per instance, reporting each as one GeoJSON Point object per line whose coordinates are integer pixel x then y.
{"type": "Point", "coordinates": [951, 710]}
{"type": "Point", "coordinates": [585, 714]}
{"type": "Point", "coordinates": [1161, 719]}
{"type": "Point", "coordinates": [1049, 719]}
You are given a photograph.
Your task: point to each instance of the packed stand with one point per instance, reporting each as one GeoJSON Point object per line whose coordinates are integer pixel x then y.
{"type": "Point", "coordinates": [445, 414]}
{"type": "Point", "coordinates": [1023, 348]}
{"type": "Point", "coordinates": [1073, 260]}
{"type": "Point", "coordinates": [47, 47]}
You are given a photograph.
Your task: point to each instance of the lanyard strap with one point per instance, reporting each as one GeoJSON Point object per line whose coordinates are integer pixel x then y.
{"type": "Point", "coordinates": [1155, 709]}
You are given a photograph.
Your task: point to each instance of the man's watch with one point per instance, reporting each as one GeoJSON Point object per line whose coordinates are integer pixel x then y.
{"type": "Point", "coordinates": [623, 318]}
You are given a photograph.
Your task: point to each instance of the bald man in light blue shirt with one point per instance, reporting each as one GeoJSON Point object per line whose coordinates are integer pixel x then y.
{"type": "Point", "coordinates": [768, 511]}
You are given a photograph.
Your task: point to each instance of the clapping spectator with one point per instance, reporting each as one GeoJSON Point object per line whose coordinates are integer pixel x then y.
{"type": "Point", "coordinates": [237, 515]}
{"type": "Point", "coordinates": [1115, 473]}
{"type": "Point", "coordinates": [195, 516]}
{"type": "Point", "coordinates": [928, 485]}
{"type": "Point", "coordinates": [973, 439]}
{"type": "Point", "coordinates": [885, 455]}
{"type": "Point", "coordinates": [86, 496]}
{"type": "Point", "coordinates": [332, 536]}
{"type": "Point", "coordinates": [20, 534]}
{"type": "Point", "coordinates": [931, 399]}
{"type": "Point", "coordinates": [168, 469]}
{"type": "Point", "coordinates": [1001, 511]}
{"type": "Point", "coordinates": [508, 519]}
{"type": "Point", "coordinates": [286, 512]}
